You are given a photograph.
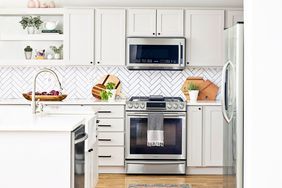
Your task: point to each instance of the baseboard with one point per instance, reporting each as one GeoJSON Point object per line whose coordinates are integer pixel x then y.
{"type": "Point", "coordinates": [204, 170]}
{"type": "Point", "coordinates": [111, 169]}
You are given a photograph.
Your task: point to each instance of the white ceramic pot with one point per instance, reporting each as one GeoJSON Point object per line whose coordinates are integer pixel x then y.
{"type": "Point", "coordinates": [30, 30]}
{"type": "Point", "coordinates": [113, 97]}
{"type": "Point", "coordinates": [28, 55]}
{"type": "Point", "coordinates": [193, 95]}
{"type": "Point", "coordinates": [51, 25]}
{"type": "Point", "coordinates": [57, 56]}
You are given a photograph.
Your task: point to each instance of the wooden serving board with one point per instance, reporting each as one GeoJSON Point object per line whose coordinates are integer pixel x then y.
{"type": "Point", "coordinates": [101, 85]}
{"type": "Point", "coordinates": [207, 89]}
{"type": "Point", "coordinates": [45, 97]}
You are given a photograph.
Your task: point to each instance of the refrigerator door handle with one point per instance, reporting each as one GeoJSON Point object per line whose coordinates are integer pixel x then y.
{"type": "Point", "coordinates": [223, 92]}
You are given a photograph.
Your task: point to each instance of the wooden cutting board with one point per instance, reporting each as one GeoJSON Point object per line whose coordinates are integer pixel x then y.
{"type": "Point", "coordinates": [101, 85]}
{"type": "Point", "coordinates": [207, 89]}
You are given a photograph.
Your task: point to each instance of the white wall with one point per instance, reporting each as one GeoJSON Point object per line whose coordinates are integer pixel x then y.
{"type": "Point", "coordinates": [263, 125]}
{"type": "Point", "coordinates": [200, 3]}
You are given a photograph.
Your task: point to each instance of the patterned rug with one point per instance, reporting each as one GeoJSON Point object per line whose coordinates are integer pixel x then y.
{"type": "Point", "coordinates": [159, 186]}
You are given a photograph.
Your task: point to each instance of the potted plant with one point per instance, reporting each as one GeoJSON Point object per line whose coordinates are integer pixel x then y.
{"type": "Point", "coordinates": [31, 23]}
{"type": "Point", "coordinates": [109, 93]}
{"type": "Point", "coordinates": [28, 52]}
{"type": "Point", "coordinates": [193, 90]}
{"type": "Point", "coordinates": [57, 51]}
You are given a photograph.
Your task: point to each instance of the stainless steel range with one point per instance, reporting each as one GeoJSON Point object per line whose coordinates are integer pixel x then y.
{"type": "Point", "coordinates": [168, 127]}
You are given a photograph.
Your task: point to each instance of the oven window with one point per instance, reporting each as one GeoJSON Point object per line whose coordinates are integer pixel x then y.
{"type": "Point", "coordinates": [172, 137]}
{"type": "Point", "coordinates": [158, 54]}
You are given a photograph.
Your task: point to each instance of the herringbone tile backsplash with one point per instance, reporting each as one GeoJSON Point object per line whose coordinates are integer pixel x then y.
{"type": "Point", "coordinates": [78, 81]}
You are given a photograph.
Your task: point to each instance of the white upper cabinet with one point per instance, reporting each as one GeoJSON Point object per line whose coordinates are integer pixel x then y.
{"type": "Point", "coordinates": [170, 23]}
{"type": "Point", "coordinates": [141, 22]}
{"type": "Point", "coordinates": [152, 22]}
{"type": "Point", "coordinates": [213, 136]}
{"type": "Point", "coordinates": [110, 37]}
{"type": "Point", "coordinates": [204, 32]}
{"type": "Point", "coordinates": [233, 16]}
{"type": "Point", "coordinates": [194, 134]}
{"type": "Point", "coordinates": [79, 36]}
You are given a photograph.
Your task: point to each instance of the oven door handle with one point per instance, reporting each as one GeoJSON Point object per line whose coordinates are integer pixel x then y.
{"type": "Point", "coordinates": [77, 141]}
{"type": "Point", "coordinates": [165, 115]}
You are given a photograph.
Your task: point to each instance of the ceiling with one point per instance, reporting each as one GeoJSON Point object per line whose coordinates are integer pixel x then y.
{"type": "Point", "coordinates": [144, 3]}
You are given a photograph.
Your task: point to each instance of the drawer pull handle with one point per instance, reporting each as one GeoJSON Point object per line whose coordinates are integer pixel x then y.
{"type": "Point", "coordinates": [104, 156]}
{"type": "Point", "coordinates": [105, 139]}
{"type": "Point", "coordinates": [104, 125]}
{"type": "Point", "coordinates": [104, 112]}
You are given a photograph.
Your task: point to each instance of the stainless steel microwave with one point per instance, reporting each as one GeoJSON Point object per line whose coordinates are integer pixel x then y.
{"type": "Point", "coordinates": [155, 53]}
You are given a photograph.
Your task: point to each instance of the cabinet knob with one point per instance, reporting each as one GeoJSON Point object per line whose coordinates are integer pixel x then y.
{"type": "Point", "coordinates": [97, 121]}
{"type": "Point", "coordinates": [98, 62]}
{"type": "Point", "coordinates": [91, 62]}
{"type": "Point", "coordinates": [187, 63]}
{"type": "Point", "coordinates": [200, 108]}
{"type": "Point", "coordinates": [159, 33]}
{"type": "Point", "coordinates": [154, 33]}
{"type": "Point", "coordinates": [90, 150]}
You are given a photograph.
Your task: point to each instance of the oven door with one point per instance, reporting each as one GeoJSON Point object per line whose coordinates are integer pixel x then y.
{"type": "Point", "coordinates": [174, 137]}
{"type": "Point", "coordinates": [156, 53]}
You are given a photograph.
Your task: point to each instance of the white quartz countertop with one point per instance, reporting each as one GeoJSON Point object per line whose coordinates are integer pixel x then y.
{"type": "Point", "coordinates": [66, 101]}
{"type": "Point", "coordinates": [94, 101]}
{"type": "Point", "coordinates": [204, 103]}
{"type": "Point", "coordinates": [20, 119]}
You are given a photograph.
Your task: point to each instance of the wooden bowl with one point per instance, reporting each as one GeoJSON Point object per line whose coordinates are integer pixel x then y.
{"type": "Point", "coordinates": [45, 97]}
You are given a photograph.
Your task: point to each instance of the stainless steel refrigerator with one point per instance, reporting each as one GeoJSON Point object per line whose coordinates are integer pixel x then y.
{"type": "Point", "coordinates": [233, 106]}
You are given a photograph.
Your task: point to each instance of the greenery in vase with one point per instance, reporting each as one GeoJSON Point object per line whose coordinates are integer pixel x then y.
{"type": "Point", "coordinates": [28, 49]}
{"type": "Point", "coordinates": [105, 95]}
{"type": "Point", "coordinates": [192, 87]}
{"type": "Point", "coordinates": [110, 86]}
{"type": "Point", "coordinates": [29, 21]}
{"type": "Point", "coordinates": [57, 50]}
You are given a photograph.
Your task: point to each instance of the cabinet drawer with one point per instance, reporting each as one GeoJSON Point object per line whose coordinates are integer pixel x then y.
{"type": "Point", "coordinates": [110, 124]}
{"type": "Point", "coordinates": [111, 156]}
{"type": "Point", "coordinates": [111, 139]}
{"type": "Point", "coordinates": [109, 111]}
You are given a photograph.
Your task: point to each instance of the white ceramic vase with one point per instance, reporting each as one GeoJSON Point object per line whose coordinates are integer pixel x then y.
{"type": "Point", "coordinates": [193, 95]}
{"type": "Point", "coordinates": [113, 97]}
{"type": "Point", "coordinates": [57, 56]}
{"type": "Point", "coordinates": [30, 30]}
{"type": "Point", "coordinates": [28, 55]}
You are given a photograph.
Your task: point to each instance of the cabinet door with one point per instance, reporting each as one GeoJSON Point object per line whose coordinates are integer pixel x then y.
{"type": "Point", "coordinates": [194, 134]}
{"type": "Point", "coordinates": [212, 136]}
{"type": "Point", "coordinates": [233, 16]}
{"type": "Point", "coordinates": [204, 33]}
{"type": "Point", "coordinates": [110, 37]}
{"type": "Point", "coordinates": [170, 23]}
{"type": "Point", "coordinates": [79, 31]}
{"type": "Point", "coordinates": [141, 22]}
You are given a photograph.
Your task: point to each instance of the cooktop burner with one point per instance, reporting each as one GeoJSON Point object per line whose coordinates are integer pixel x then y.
{"type": "Point", "coordinates": [155, 103]}
{"type": "Point", "coordinates": [156, 98]}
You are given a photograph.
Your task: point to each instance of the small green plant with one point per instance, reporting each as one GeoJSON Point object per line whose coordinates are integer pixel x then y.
{"type": "Point", "coordinates": [110, 86]}
{"type": "Point", "coordinates": [29, 21]}
{"type": "Point", "coordinates": [57, 50]}
{"type": "Point", "coordinates": [105, 95]}
{"type": "Point", "coordinates": [192, 87]}
{"type": "Point", "coordinates": [28, 49]}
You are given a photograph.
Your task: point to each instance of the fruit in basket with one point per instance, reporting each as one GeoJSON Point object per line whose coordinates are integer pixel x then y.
{"type": "Point", "coordinates": [51, 93]}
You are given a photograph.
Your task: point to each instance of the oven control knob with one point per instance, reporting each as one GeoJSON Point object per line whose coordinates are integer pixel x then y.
{"type": "Point", "coordinates": [142, 105]}
{"type": "Point", "coordinates": [175, 106]}
{"type": "Point", "coordinates": [130, 105]}
{"type": "Point", "coordinates": [181, 106]}
{"type": "Point", "coordinates": [136, 105]}
{"type": "Point", "coordinates": [169, 106]}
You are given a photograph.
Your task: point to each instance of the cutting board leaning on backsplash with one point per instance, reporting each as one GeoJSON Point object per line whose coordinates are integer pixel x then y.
{"type": "Point", "coordinates": [207, 89]}
{"type": "Point", "coordinates": [101, 85]}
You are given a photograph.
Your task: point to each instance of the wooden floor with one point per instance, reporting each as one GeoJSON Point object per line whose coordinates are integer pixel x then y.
{"type": "Point", "coordinates": [122, 181]}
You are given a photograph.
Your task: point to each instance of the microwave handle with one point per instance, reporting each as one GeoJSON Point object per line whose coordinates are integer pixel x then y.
{"type": "Point", "coordinates": [179, 53]}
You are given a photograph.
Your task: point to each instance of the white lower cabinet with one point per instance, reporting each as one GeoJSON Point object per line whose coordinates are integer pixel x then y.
{"type": "Point", "coordinates": [111, 156]}
{"type": "Point", "coordinates": [205, 138]}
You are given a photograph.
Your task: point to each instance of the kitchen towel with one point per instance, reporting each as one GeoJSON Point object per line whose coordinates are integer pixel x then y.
{"type": "Point", "coordinates": [155, 131]}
